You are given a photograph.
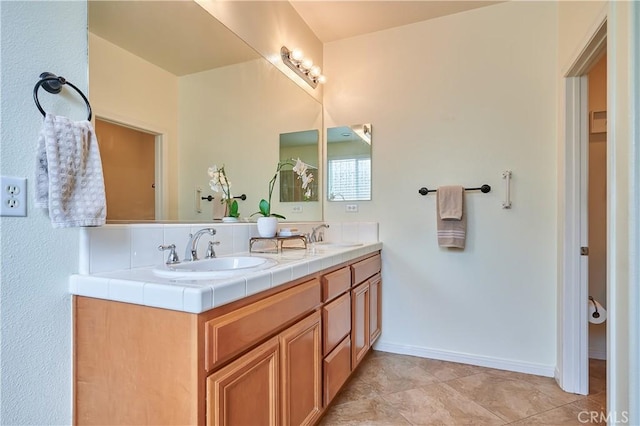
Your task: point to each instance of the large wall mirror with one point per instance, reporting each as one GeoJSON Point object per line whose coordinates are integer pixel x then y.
{"type": "Point", "coordinates": [171, 71]}
{"type": "Point", "coordinates": [349, 163]}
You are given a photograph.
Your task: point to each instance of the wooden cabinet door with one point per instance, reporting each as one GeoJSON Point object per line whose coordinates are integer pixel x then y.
{"type": "Point", "coordinates": [301, 386]}
{"type": "Point", "coordinates": [375, 308]}
{"type": "Point", "coordinates": [359, 323]}
{"type": "Point", "coordinates": [246, 392]}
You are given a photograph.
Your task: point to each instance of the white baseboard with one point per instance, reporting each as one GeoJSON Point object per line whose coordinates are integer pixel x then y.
{"type": "Point", "coordinates": [463, 358]}
{"type": "Point", "coordinates": [598, 353]}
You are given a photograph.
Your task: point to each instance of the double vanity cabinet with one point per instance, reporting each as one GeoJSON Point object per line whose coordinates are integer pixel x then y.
{"type": "Point", "coordinates": [278, 357]}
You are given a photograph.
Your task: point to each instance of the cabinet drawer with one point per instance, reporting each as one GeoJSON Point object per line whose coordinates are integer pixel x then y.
{"type": "Point", "coordinates": [365, 268]}
{"type": "Point", "coordinates": [335, 283]}
{"type": "Point", "coordinates": [337, 368]}
{"type": "Point", "coordinates": [232, 333]}
{"type": "Point", "coordinates": [336, 322]}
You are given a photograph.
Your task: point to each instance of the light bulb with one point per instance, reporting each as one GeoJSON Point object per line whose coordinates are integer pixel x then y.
{"type": "Point", "coordinates": [322, 79]}
{"type": "Point", "coordinates": [315, 71]}
{"type": "Point", "coordinates": [307, 63]}
{"type": "Point", "coordinates": [296, 55]}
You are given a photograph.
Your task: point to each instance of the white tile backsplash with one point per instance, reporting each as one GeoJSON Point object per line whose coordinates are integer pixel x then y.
{"type": "Point", "coordinates": [110, 248]}
{"type": "Point", "coordinates": [241, 237]}
{"type": "Point", "coordinates": [334, 232]}
{"type": "Point", "coordinates": [178, 235]}
{"type": "Point", "coordinates": [350, 231]}
{"type": "Point", "coordinates": [142, 239]}
{"type": "Point", "coordinates": [224, 234]}
{"type": "Point", "coordinates": [367, 232]}
{"type": "Point", "coordinates": [114, 247]}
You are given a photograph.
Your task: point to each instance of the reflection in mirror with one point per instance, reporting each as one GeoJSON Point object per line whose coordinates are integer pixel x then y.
{"type": "Point", "coordinates": [170, 69]}
{"type": "Point", "coordinates": [303, 145]}
{"type": "Point", "coordinates": [349, 163]}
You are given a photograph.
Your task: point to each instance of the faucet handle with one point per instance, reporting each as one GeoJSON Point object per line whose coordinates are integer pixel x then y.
{"type": "Point", "coordinates": [173, 256]}
{"type": "Point", "coordinates": [211, 253]}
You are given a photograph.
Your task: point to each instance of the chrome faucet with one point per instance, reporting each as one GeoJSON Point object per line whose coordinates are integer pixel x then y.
{"type": "Point", "coordinates": [314, 236]}
{"type": "Point", "coordinates": [191, 253]}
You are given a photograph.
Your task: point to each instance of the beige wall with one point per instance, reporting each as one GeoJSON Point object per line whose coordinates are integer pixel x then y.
{"type": "Point", "coordinates": [598, 208]}
{"type": "Point", "coordinates": [576, 20]}
{"type": "Point", "coordinates": [37, 260]}
{"type": "Point", "coordinates": [473, 94]}
{"type": "Point", "coordinates": [131, 91]}
{"type": "Point", "coordinates": [267, 26]}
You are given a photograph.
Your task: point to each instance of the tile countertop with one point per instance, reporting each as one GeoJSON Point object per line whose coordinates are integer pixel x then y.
{"type": "Point", "coordinates": [142, 287]}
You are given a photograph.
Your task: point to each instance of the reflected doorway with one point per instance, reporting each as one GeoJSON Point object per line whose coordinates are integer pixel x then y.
{"type": "Point", "coordinates": [128, 163]}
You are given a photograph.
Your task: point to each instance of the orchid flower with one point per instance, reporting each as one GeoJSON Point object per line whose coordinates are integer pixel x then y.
{"type": "Point", "coordinates": [220, 183]}
{"type": "Point", "coordinates": [300, 168]}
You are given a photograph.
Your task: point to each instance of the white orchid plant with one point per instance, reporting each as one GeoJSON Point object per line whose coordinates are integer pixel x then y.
{"type": "Point", "coordinates": [220, 183]}
{"type": "Point", "coordinates": [302, 170]}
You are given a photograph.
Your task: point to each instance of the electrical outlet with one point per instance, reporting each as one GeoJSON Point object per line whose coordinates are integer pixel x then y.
{"type": "Point", "coordinates": [13, 196]}
{"type": "Point", "coordinates": [351, 208]}
{"type": "Point", "coordinates": [296, 209]}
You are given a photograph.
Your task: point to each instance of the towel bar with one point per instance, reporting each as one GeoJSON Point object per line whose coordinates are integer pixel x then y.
{"type": "Point", "coordinates": [484, 189]}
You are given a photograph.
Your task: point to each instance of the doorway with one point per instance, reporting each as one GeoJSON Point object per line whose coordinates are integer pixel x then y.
{"type": "Point", "coordinates": [573, 360]}
{"type": "Point", "coordinates": [128, 162]}
{"type": "Point", "coordinates": [597, 224]}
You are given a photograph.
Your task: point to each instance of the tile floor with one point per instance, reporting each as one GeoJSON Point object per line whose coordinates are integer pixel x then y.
{"type": "Point", "coordinates": [390, 389]}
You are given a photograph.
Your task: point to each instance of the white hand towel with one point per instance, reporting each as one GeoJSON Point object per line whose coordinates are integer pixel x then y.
{"type": "Point", "coordinates": [451, 233]}
{"type": "Point", "coordinates": [69, 180]}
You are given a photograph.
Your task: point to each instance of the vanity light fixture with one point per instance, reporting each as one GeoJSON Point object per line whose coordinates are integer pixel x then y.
{"type": "Point", "coordinates": [302, 66]}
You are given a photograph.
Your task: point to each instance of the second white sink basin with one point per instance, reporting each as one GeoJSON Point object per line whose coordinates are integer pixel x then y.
{"type": "Point", "coordinates": [219, 267]}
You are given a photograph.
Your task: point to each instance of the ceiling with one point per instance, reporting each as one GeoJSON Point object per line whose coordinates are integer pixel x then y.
{"type": "Point", "coordinates": [182, 38]}
{"type": "Point", "coordinates": [334, 20]}
{"type": "Point", "coordinates": [178, 36]}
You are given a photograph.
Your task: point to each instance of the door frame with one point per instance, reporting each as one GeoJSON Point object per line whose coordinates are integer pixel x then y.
{"type": "Point", "coordinates": [572, 373]}
{"type": "Point", "coordinates": [161, 159]}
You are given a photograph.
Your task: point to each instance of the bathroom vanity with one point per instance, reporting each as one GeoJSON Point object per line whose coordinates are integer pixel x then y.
{"type": "Point", "coordinates": [278, 356]}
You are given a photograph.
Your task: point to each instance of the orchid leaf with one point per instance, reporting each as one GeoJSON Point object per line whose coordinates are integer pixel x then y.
{"type": "Point", "coordinates": [233, 209]}
{"type": "Point", "coordinates": [265, 208]}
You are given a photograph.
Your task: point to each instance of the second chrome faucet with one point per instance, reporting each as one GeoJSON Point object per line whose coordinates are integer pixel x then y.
{"type": "Point", "coordinates": [316, 236]}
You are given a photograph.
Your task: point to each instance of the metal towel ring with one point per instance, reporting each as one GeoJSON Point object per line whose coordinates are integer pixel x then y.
{"type": "Point", "coordinates": [53, 84]}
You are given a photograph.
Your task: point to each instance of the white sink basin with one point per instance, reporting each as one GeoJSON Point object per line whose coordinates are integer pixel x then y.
{"type": "Point", "coordinates": [340, 244]}
{"type": "Point", "coordinates": [219, 267]}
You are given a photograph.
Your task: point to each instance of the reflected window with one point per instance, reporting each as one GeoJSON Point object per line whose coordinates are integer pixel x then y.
{"type": "Point", "coordinates": [349, 163]}
{"type": "Point", "coordinates": [349, 179]}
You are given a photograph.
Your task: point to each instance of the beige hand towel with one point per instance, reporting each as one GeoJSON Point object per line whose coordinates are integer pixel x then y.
{"type": "Point", "coordinates": [450, 202]}
{"type": "Point", "coordinates": [69, 180]}
{"type": "Point", "coordinates": [451, 232]}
